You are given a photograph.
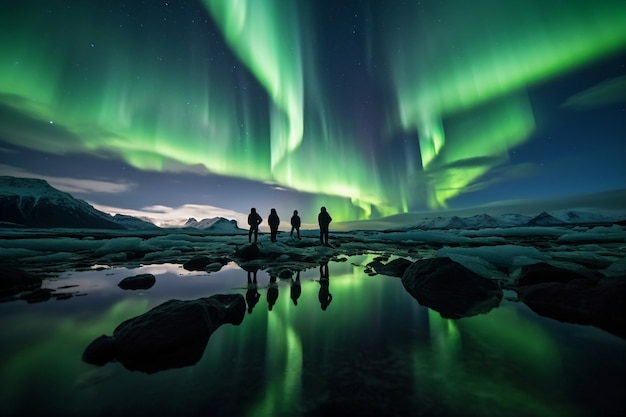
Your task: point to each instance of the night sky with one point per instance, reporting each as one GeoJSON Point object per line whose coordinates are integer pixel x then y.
{"type": "Point", "coordinates": [183, 108]}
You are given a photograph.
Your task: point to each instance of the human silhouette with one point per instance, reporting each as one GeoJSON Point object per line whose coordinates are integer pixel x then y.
{"type": "Point", "coordinates": [324, 219]}
{"type": "Point", "coordinates": [254, 219]}
{"type": "Point", "coordinates": [252, 295]}
{"type": "Point", "coordinates": [295, 224]}
{"type": "Point", "coordinates": [324, 294]}
{"type": "Point", "coordinates": [272, 293]}
{"type": "Point", "coordinates": [273, 220]}
{"type": "Point", "coordinates": [296, 289]}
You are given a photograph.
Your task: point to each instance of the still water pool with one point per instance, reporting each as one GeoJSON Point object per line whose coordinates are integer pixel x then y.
{"type": "Point", "coordinates": [372, 351]}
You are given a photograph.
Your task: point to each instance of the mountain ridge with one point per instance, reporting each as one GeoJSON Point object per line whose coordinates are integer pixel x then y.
{"type": "Point", "coordinates": [33, 203]}
{"type": "Point", "coordinates": [545, 219]}
{"type": "Point", "coordinates": [29, 202]}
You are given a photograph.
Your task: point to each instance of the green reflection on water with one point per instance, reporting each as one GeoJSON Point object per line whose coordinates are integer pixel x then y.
{"type": "Point", "coordinates": [465, 363]}
{"type": "Point", "coordinates": [373, 346]}
{"type": "Point", "coordinates": [40, 349]}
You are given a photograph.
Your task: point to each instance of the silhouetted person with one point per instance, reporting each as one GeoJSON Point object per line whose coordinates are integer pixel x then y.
{"type": "Point", "coordinates": [295, 224]}
{"type": "Point", "coordinates": [296, 289]}
{"type": "Point", "coordinates": [252, 295]}
{"type": "Point", "coordinates": [324, 294]}
{"type": "Point", "coordinates": [254, 219]}
{"type": "Point", "coordinates": [324, 219]}
{"type": "Point", "coordinates": [273, 221]}
{"type": "Point", "coordinates": [272, 293]}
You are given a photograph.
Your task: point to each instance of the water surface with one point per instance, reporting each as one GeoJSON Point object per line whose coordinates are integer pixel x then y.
{"type": "Point", "coordinates": [373, 350]}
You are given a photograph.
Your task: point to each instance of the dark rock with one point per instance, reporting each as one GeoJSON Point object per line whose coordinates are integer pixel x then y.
{"type": "Point", "coordinates": [542, 272]}
{"type": "Point", "coordinates": [197, 263]}
{"type": "Point", "coordinates": [37, 296]}
{"type": "Point", "coordinates": [213, 267]}
{"type": "Point", "coordinates": [100, 351]}
{"type": "Point", "coordinates": [597, 302]}
{"type": "Point", "coordinates": [14, 280]}
{"type": "Point", "coordinates": [138, 282]}
{"type": "Point", "coordinates": [285, 273]}
{"type": "Point", "coordinates": [394, 268]}
{"type": "Point", "coordinates": [451, 289]}
{"type": "Point", "coordinates": [248, 252]}
{"type": "Point", "coordinates": [171, 335]}
{"type": "Point", "coordinates": [200, 263]}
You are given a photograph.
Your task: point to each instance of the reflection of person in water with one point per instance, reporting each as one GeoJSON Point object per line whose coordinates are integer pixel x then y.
{"type": "Point", "coordinates": [272, 293]}
{"type": "Point", "coordinates": [296, 289]}
{"type": "Point", "coordinates": [252, 295]}
{"type": "Point", "coordinates": [324, 295]}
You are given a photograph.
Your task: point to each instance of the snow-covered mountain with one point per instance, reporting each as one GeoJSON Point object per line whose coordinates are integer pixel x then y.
{"type": "Point", "coordinates": [480, 221]}
{"type": "Point", "coordinates": [453, 222]}
{"type": "Point", "coordinates": [29, 202]}
{"type": "Point", "coordinates": [485, 221]}
{"type": "Point", "coordinates": [217, 225]}
{"type": "Point", "coordinates": [512, 220]}
{"type": "Point", "coordinates": [134, 223]}
{"type": "Point", "coordinates": [544, 219]}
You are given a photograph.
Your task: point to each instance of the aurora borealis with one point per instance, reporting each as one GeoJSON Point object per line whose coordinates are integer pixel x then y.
{"type": "Point", "coordinates": [371, 108]}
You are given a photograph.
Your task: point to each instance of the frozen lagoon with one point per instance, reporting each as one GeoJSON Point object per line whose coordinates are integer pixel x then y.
{"type": "Point", "coordinates": [373, 351]}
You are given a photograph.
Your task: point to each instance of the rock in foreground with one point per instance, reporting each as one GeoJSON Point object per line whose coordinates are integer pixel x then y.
{"type": "Point", "coordinates": [171, 335]}
{"type": "Point", "coordinates": [451, 289]}
{"type": "Point", "coordinates": [137, 282]}
{"type": "Point", "coordinates": [574, 298]}
{"type": "Point", "coordinates": [14, 280]}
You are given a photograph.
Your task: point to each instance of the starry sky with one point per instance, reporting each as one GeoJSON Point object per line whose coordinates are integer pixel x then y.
{"type": "Point", "coordinates": [205, 108]}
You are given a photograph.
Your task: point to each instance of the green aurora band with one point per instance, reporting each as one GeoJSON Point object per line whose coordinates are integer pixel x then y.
{"type": "Point", "coordinates": [78, 80]}
{"type": "Point", "coordinates": [459, 66]}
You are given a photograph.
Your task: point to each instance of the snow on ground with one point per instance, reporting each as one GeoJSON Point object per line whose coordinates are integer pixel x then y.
{"type": "Point", "coordinates": [494, 253]}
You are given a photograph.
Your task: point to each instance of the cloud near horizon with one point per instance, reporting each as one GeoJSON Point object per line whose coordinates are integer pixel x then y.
{"type": "Point", "coordinates": [164, 216]}
{"type": "Point", "coordinates": [70, 185]}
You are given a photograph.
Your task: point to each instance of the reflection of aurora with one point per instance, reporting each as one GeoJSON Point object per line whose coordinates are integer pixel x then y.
{"type": "Point", "coordinates": [276, 360]}
{"type": "Point", "coordinates": [445, 364]}
{"type": "Point", "coordinates": [148, 94]}
{"type": "Point", "coordinates": [54, 361]}
{"type": "Point", "coordinates": [294, 340]}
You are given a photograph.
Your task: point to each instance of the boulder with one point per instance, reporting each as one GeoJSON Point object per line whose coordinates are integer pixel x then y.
{"type": "Point", "coordinates": [394, 268]}
{"type": "Point", "coordinates": [572, 298]}
{"type": "Point", "coordinates": [248, 252]}
{"type": "Point", "coordinates": [451, 289]}
{"type": "Point", "coordinates": [14, 280]}
{"type": "Point", "coordinates": [204, 263]}
{"type": "Point", "coordinates": [541, 272]}
{"type": "Point", "coordinates": [137, 282]}
{"type": "Point", "coordinates": [171, 335]}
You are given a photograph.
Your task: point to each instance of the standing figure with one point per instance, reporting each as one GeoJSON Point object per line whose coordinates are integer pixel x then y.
{"type": "Point", "coordinates": [273, 221]}
{"type": "Point", "coordinates": [254, 219]}
{"type": "Point", "coordinates": [324, 220]}
{"type": "Point", "coordinates": [295, 224]}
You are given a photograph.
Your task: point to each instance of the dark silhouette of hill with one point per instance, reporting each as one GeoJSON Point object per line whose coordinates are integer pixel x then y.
{"type": "Point", "coordinates": [30, 202]}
